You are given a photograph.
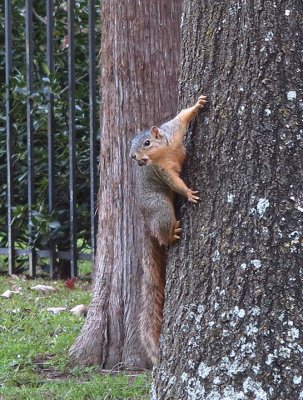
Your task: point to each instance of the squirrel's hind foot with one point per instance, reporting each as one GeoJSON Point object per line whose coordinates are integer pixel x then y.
{"type": "Point", "coordinates": [176, 231]}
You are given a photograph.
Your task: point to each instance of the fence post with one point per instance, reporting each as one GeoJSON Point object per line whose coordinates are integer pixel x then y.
{"type": "Point", "coordinates": [29, 129]}
{"type": "Point", "coordinates": [9, 137]}
{"type": "Point", "coordinates": [72, 136]}
{"type": "Point", "coordinates": [50, 126]}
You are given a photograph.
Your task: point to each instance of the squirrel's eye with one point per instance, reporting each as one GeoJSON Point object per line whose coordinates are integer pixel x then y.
{"type": "Point", "coordinates": [146, 143]}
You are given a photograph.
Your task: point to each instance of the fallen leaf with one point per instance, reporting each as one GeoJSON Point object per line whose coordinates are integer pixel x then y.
{"type": "Point", "coordinates": [14, 277]}
{"type": "Point", "coordinates": [16, 288]}
{"type": "Point", "coordinates": [8, 293]}
{"type": "Point", "coordinates": [70, 283]}
{"type": "Point", "coordinates": [80, 309]}
{"type": "Point", "coordinates": [56, 310]}
{"type": "Point", "coordinates": [44, 289]}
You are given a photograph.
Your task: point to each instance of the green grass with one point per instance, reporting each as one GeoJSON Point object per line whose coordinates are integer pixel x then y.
{"type": "Point", "coordinates": [34, 347]}
{"type": "Point", "coordinates": [84, 268]}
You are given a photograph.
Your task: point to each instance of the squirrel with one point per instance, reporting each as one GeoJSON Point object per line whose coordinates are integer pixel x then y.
{"type": "Point", "coordinates": [160, 153]}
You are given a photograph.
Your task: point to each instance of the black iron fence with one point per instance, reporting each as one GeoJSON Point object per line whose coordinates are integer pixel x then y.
{"type": "Point", "coordinates": [68, 119]}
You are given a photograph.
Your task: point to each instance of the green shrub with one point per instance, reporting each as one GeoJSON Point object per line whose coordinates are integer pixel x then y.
{"type": "Point", "coordinates": [46, 226]}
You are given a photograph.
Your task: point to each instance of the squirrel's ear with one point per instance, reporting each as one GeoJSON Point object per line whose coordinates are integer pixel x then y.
{"type": "Point", "coordinates": [156, 133]}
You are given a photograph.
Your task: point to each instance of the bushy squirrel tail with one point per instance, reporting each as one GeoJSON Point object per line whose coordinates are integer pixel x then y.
{"type": "Point", "coordinates": [153, 283]}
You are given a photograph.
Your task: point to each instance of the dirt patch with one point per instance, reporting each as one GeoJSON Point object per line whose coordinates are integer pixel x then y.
{"type": "Point", "coordinates": [41, 364]}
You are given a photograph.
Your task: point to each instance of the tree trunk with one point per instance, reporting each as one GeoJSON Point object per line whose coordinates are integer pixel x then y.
{"type": "Point", "coordinates": [233, 323]}
{"type": "Point", "coordinates": [139, 65]}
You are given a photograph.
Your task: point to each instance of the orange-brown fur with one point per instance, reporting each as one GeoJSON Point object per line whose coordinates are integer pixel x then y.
{"type": "Point", "coordinates": [161, 154]}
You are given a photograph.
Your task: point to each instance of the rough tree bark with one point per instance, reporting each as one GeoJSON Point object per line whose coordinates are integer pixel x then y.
{"type": "Point", "coordinates": [139, 65]}
{"type": "Point", "coordinates": [233, 324]}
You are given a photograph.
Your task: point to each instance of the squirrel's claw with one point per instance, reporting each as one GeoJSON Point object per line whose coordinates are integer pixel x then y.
{"type": "Point", "coordinates": [201, 101]}
{"type": "Point", "coordinates": [191, 196]}
{"type": "Point", "coordinates": [177, 230]}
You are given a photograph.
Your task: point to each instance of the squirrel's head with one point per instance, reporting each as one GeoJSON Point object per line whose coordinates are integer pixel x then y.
{"type": "Point", "coordinates": [145, 146]}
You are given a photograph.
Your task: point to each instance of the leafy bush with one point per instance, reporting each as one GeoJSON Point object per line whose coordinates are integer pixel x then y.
{"type": "Point", "coordinates": [46, 226]}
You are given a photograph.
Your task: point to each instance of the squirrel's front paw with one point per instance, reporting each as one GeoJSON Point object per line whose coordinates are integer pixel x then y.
{"type": "Point", "coordinates": [191, 196]}
{"type": "Point", "coordinates": [201, 102]}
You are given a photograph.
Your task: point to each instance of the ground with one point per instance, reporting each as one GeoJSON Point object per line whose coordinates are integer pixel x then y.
{"type": "Point", "coordinates": [35, 343]}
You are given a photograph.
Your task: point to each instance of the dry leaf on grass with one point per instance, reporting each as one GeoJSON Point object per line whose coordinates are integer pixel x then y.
{"type": "Point", "coordinates": [8, 293]}
{"type": "Point", "coordinates": [70, 283]}
{"type": "Point", "coordinates": [44, 289]}
{"type": "Point", "coordinates": [56, 310]}
{"type": "Point", "coordinates": [80, 309]}
{"type": "Point", "coordinates": [14, 277]}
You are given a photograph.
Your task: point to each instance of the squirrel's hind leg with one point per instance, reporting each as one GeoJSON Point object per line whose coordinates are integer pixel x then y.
{"type": "Point", "coordinates": [164, 226]}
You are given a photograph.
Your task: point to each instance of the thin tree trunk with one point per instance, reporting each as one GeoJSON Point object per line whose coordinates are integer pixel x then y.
{"type": "Point", "coordinates": [139, 64]}
{"type": "Point", "coordinates": [233, 324]}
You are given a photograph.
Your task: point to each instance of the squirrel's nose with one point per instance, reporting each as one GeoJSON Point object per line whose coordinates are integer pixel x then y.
{"type": "Point", "coordinates": [133, 156]}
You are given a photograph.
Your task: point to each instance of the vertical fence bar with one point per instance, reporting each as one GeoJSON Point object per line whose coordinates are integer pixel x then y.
{"type": "Point", "coordinates": [29, 128]}
{"type": "Point", "coordinates": [92, 122]}
{"type": "Point", "coordinates": [72, 136]}
{"type": "Point", "coordinates": [9, 137]}
{"type": "Point", "coordinates": [50, 125]}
